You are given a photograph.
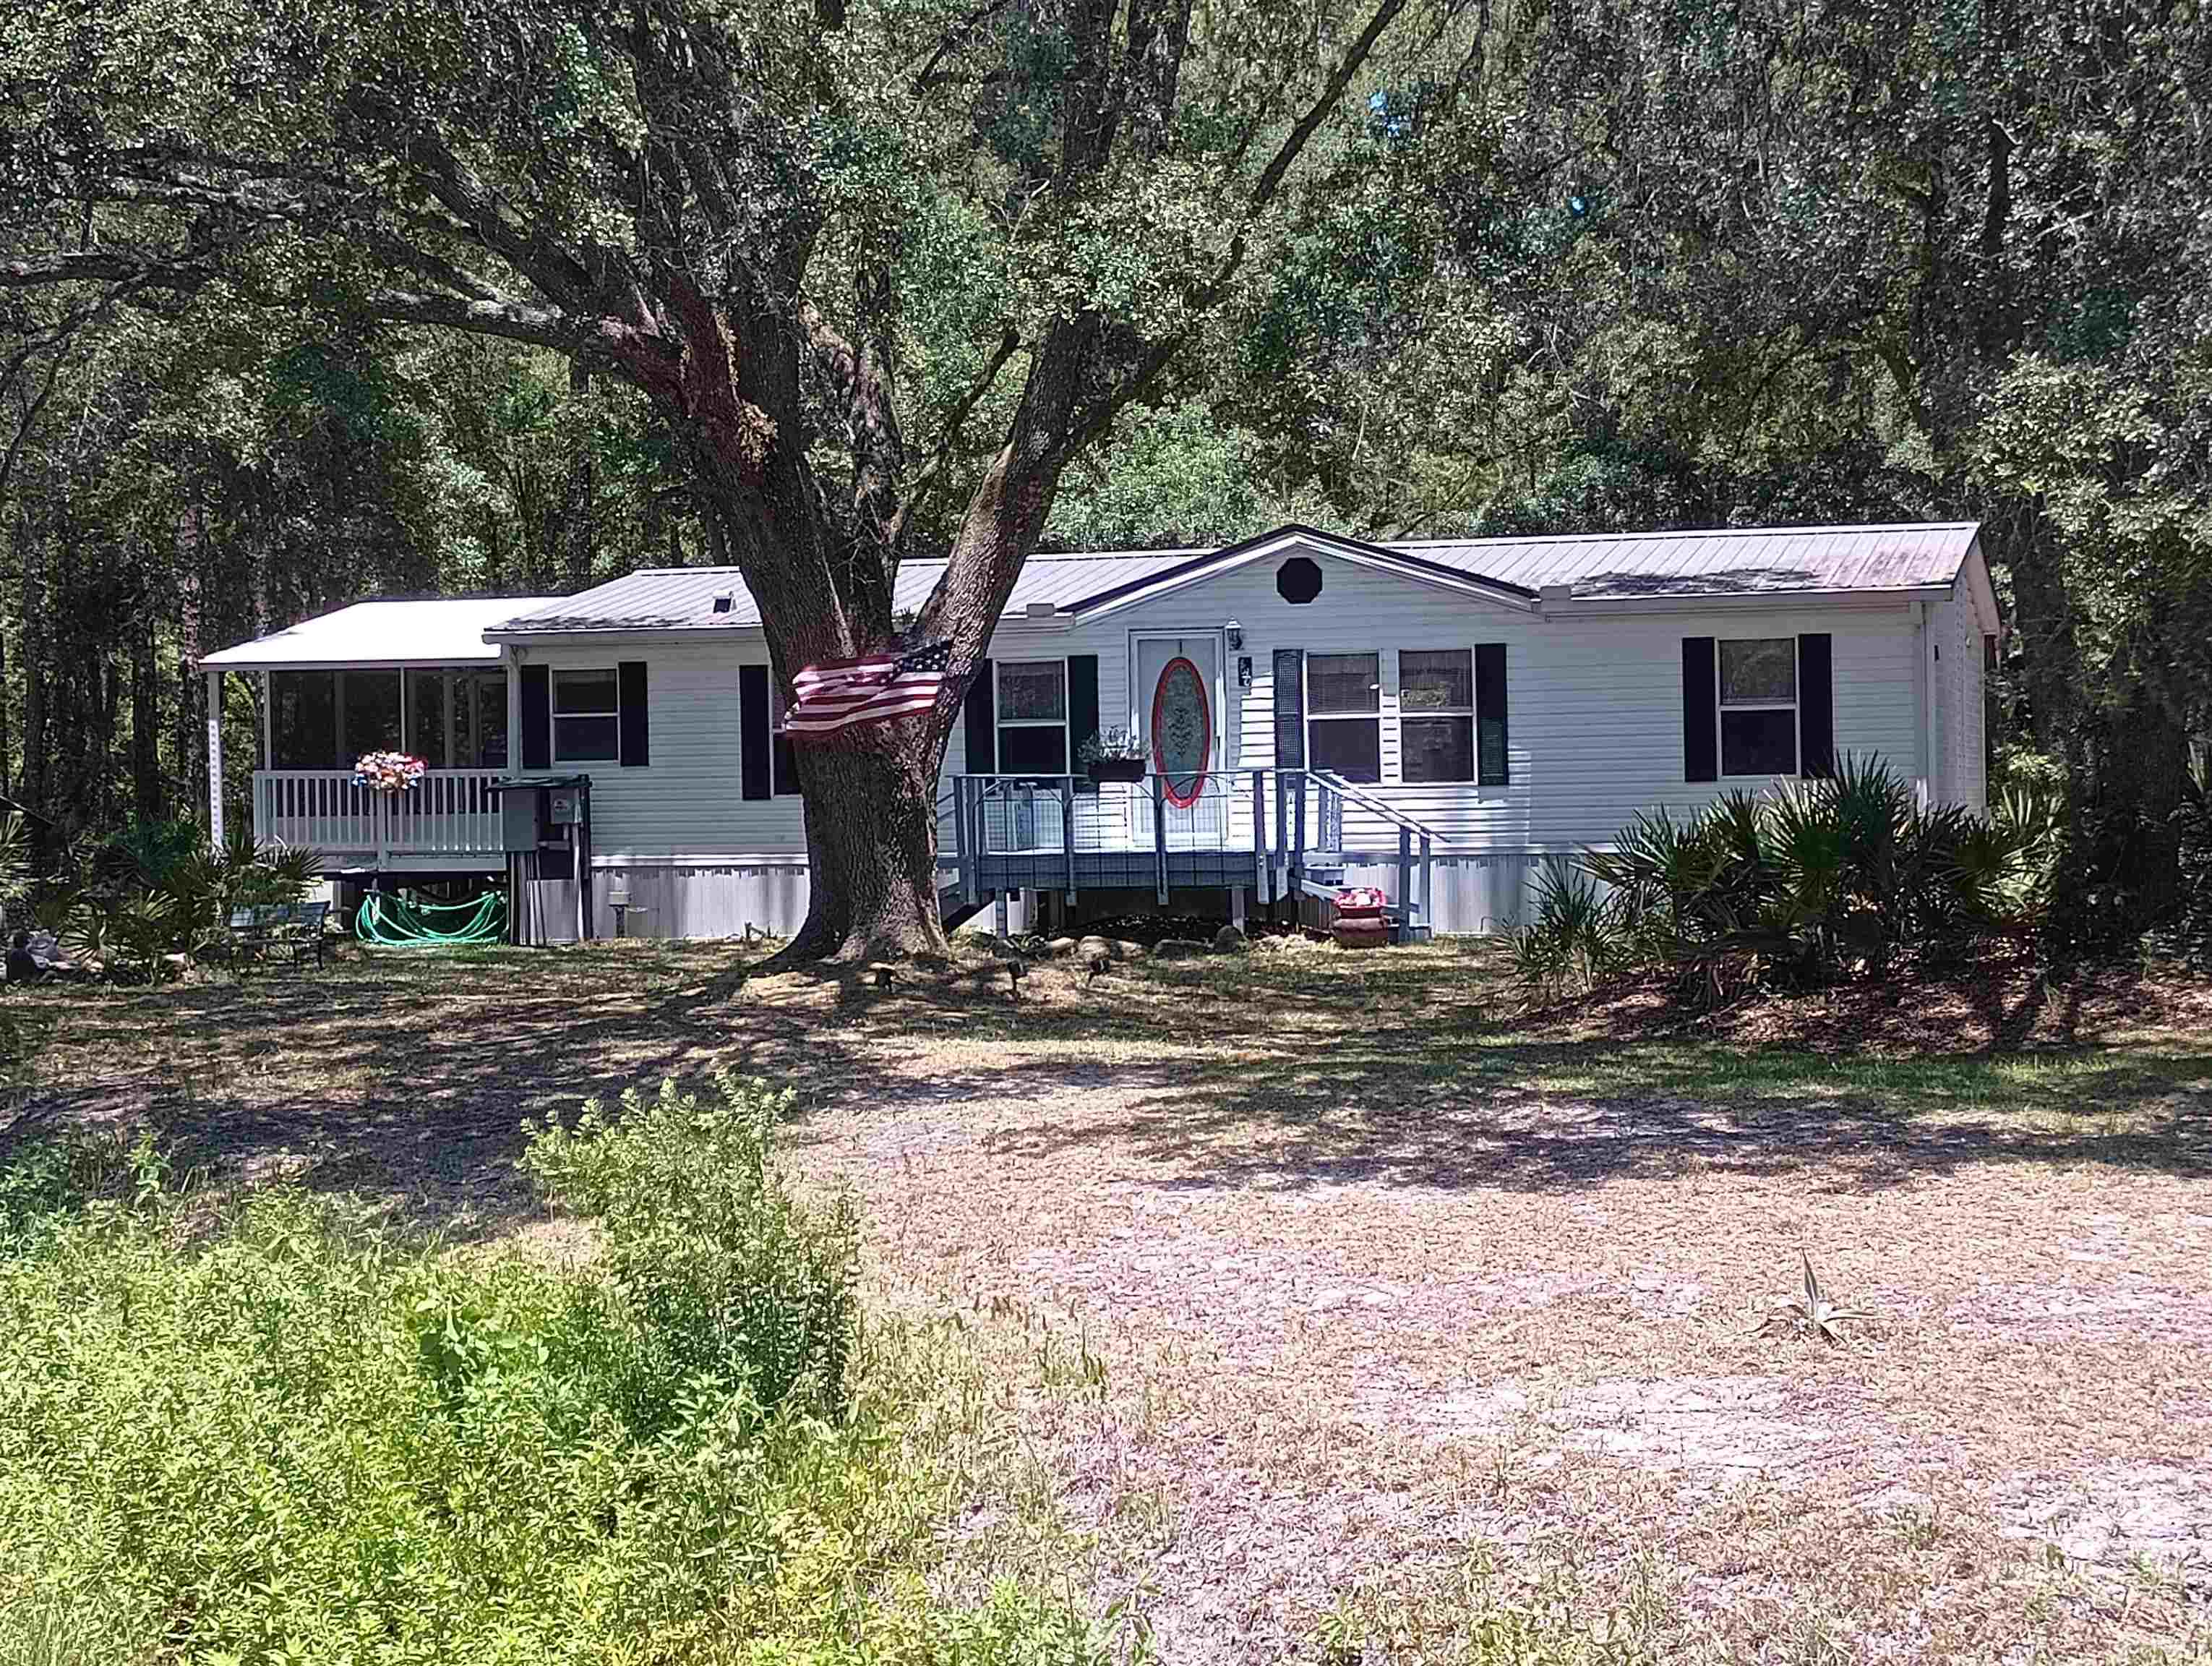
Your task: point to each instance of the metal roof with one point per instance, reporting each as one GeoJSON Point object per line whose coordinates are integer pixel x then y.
{"type": "Point", "coordinates": [684, 598]}
{"type": "Point", "coordinates": [1595, 567]}
{"type": "Point", "coordinates": [1724, 561]}
{"type": "Point", "coordinates": [381, 634]}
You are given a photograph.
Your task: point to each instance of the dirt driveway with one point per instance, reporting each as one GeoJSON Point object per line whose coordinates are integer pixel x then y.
{"type": "Point", "coordinates": [1357, 1310]}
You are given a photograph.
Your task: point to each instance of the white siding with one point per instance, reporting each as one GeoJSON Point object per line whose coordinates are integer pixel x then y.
{"type": "Point", "coordinates": [1955, 677]}
{"type": "Point", "coordinates": [1594, 722]}
{"type": "Point", "coordinates": [689, 800]}
{"type": "Point", "coordinates": [1594, 701]}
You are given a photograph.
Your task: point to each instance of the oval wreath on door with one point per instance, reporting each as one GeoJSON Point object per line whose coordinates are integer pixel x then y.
{"type": "Point", "coordinates": [1182, 731]}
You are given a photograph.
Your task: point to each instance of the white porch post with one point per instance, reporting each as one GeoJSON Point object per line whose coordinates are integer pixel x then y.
{"type": "Point", "coordinates": [214, 758]}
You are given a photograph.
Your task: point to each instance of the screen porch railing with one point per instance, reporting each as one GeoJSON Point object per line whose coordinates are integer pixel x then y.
{"type": "Point", "coordinates": [448, 813]}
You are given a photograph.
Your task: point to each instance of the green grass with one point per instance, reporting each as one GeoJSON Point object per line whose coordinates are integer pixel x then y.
{"type": "Point", "coordinates": [282, 1432]}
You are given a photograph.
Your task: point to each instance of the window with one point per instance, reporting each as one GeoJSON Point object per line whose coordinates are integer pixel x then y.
{"type": "Point", "coordinates": [1298, 581]}
{"type": "Point", "coordinates": [1032, 706]}
{"type": "Point", "coordinates": [457, 720]}
{"type": "Point", "coordinates": [1344, 721]}
{"type": "Point", "coordinates": [586, 716]}
{"type": "Point", "coordinates": [368, 704]}
{"type": "Point", "coordinates": [1758, 706]}
{"type": "Point", "coordinates": [1436, 703]}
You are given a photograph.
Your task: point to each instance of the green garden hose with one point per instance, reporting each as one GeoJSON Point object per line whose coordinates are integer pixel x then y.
{"type": "Point", "coordinates": [403, 922]}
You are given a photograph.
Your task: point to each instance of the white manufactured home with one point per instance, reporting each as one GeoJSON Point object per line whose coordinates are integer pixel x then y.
{"type": "Point", "coordinates": [1431, 718]}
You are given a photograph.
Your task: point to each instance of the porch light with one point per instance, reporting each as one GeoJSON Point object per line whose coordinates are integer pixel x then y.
{"type": "Point", "coordinates": [1235, 634]}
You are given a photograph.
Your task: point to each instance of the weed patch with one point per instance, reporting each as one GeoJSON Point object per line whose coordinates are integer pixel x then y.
{"type": "Point", "coordinates": [287, 1433]}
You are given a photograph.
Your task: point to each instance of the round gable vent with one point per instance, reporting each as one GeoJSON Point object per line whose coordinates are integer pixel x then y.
{"type": "Point", "coordinates": [1298, 581]}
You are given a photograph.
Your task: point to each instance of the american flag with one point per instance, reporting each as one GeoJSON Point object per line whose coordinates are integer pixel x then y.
{"type": "Point", "coordinates": [842, 692]}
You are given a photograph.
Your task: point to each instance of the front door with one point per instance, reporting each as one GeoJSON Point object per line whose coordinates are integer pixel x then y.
{"type": "Point", "coordinates": [1176, 698]}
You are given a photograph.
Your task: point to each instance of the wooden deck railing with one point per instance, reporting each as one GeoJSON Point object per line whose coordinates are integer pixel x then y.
{"type": "Point", "coordinates": [450, 813]}
{"type": "Point", "coordinates": [1066, 831]}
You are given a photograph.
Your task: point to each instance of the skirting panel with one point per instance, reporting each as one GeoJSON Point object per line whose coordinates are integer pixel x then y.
{"type": "Point", "coordinates": [1475, 895]}
{"type": "Point", "coordinates": [706, 901]}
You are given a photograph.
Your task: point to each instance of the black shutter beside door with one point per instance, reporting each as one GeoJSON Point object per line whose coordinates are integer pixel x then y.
{"type": "Point", "coordinates": [982, 736]}
{"type": "Point", "coordinates": [536, 717]}
{"type": "Point", "coordinates": [636, 730]}
{"type": "Point", "coordinates": [1816, 704]}
{"type": "Point", "coordinates": [1082, 711]}
{"type": "Point", "coordinates": [1492, 765]}
{"type": "Point", "coordinates": [753, 732]}
{"type": "Point", "coordinates": [1290, 709]}
{"type": "Point", "coordinates": [1701, 744]}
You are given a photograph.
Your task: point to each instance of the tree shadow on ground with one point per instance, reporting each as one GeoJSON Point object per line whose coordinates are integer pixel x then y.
{"type": "Point", "coordinates": [411, 1080]}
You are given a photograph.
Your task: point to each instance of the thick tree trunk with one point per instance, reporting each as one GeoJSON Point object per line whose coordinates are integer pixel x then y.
{"type": "Point", "coordinates": [872, 851]}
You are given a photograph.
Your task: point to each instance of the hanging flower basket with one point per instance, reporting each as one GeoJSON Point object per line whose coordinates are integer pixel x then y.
{"type": "Point", "coordinates": [389, 773]}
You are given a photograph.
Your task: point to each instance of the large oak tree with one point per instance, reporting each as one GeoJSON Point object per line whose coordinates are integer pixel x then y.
{"type": "Point", "coordinates": [854, 256]}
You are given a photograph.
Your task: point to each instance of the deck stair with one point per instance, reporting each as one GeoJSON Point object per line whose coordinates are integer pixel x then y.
{"type": "Point", "coordinates": [1277, 835]}
{"type": "Point", "coordinates": [1323, 871]}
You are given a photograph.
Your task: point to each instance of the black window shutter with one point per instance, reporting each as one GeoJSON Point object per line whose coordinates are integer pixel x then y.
{"type": "Point", "coordinates": [1082, 703]}
{"type": "Point", "coordinates": [1701, 741]}
{"type": "Point", "coordinates": [982, 740]}
{"type": "Point", "coordinates": [1490, 766]}
{"type": "Point", "coordinates": [636, 739]}
{"type": "Point", "coordinates": [536, 717]}
{"type": "Point", "coordinates": [1290, 709]}
{"type": "Point", "coordinates": [1816, 704]}
{"type": "Point", "coordinates": [752, 731]}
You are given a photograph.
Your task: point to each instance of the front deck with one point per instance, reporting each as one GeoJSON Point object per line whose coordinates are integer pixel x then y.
{"type": "Point", "coordinates": [449, 823]}
{"type": "Point", "coordinates": [1274, 834]}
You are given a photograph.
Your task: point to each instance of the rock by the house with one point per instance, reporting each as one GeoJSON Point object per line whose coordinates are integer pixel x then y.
{"type": "Point", "coordinates": [1179, 948]}
{"type": "Point", "coordinates": [1229, 941]}
{"type": "Point", "coordinates": [1062, 945]}
{"type": "Point", "coordinates": [1097, 948]}
{"type": "Point", "coordinates": [1130, 951]}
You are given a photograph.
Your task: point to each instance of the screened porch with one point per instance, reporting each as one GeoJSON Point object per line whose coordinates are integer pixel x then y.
{"type": "Point", "coordinates": [409, 676]}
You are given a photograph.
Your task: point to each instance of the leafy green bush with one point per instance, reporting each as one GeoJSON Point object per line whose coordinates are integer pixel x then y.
{"type": "Point", "coordinates": [288, 1435]}
{"type": "Point", "coordinates": [1829, 879]}
{"type": "Point", "coordinates": [726, 1277]}
{"type": "Point", "coordinates": [156, 890]}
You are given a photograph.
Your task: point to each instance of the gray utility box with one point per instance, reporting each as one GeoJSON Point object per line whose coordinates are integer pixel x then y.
{"type": "Point", "coordinates": [537, 813]}
{"type": "Point", "coordinates": [522, 818]}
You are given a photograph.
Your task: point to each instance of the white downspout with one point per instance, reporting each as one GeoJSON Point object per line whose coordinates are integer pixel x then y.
{"type": "Point", "coordinates": [1922, 707]}
{"type": "Point", "coordinates": [214, 758]}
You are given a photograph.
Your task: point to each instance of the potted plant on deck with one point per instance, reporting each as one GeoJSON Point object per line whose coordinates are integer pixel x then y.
{"type": "Point", "coordinates": [388, 773]}
{"type": "Point", "coordinates": [1114, 755]}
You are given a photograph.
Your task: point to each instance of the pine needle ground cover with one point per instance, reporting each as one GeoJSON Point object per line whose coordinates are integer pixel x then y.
{"type": "Point", "coordinates": [1343, 1309]}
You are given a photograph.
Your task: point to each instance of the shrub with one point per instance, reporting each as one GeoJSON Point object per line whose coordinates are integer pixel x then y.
{"type": "Point", "coordinates": [725, 1278]}
{"type": "Point", "coordinates": [286, 1434]}
{"type": "Point", "coordinates": [156, 891]}
{"type": "Point", "coordinates": [1574, 941]}
{"type": "Point", "coordinates": [1828, 879]}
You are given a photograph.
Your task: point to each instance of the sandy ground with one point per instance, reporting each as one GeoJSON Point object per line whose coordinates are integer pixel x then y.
{"type": "Point", "coordinates": [1362, 1280]}
{"type": "Point", "coordinates": [1338, 1373]}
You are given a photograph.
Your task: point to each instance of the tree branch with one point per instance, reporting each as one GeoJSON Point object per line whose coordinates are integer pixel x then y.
{"type": "Point", "coordinates": [1094, 418]}
{"type": "Point", "coordinates": [919, 492]}
{"type": "Point", "coordinates": [182, 270]}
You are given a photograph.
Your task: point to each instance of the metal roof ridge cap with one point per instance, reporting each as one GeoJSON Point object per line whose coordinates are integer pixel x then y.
{"type": "Point", "coordinates": [1682, 532]}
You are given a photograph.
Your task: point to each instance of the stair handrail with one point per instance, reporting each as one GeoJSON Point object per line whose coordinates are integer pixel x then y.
{"type": "Point", "coordinates": [1397, 818]}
